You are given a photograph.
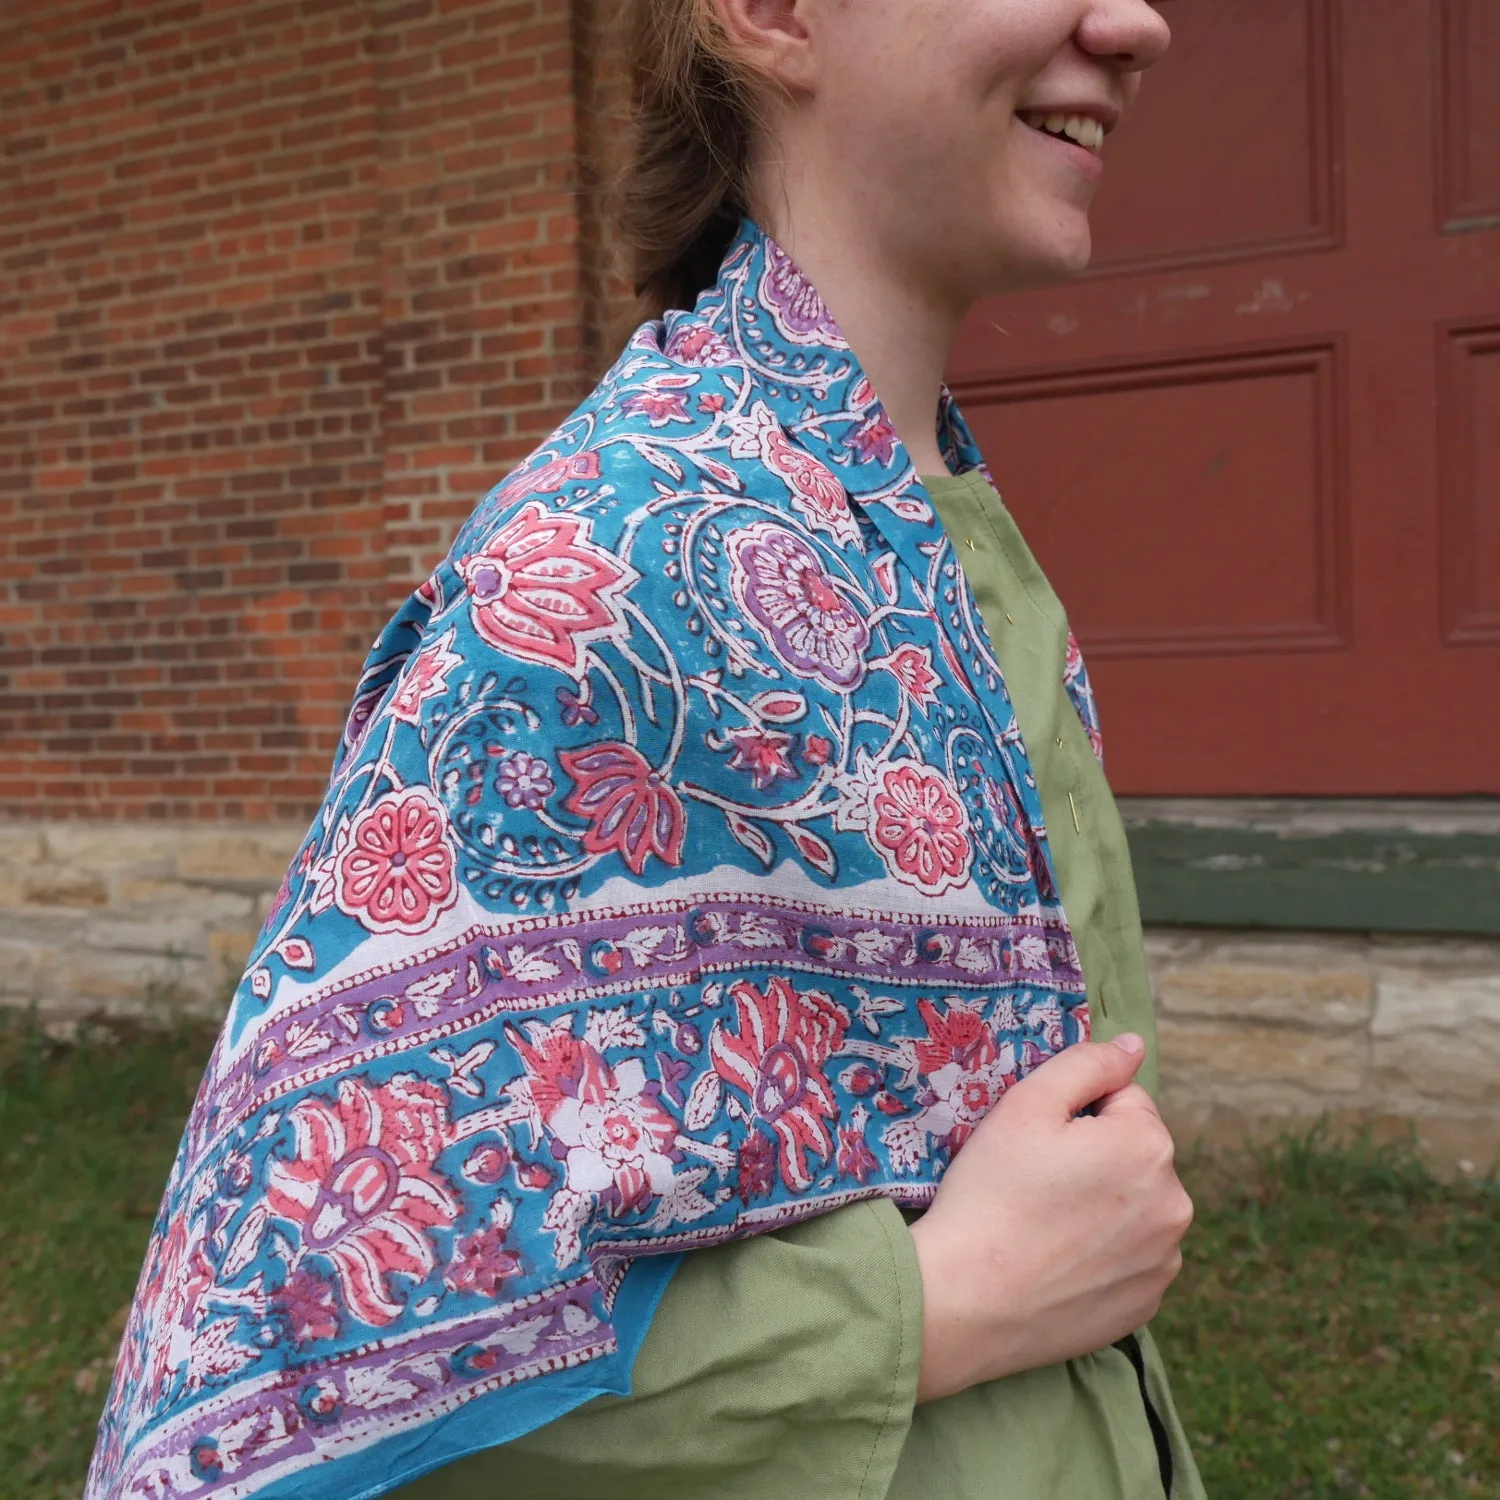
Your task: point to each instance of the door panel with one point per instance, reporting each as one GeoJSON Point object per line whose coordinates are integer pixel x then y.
{"type": "Point", "coordinates": [1471, 494]}
{"type": "Point", "coordinates": [1258, 81]}
{"type": "Point", "coordinates": [1257, 448]}
{"type": "Point", "coordinates": [1469, 145]}
{"type": "Point", "coordinates": [1268, 577]}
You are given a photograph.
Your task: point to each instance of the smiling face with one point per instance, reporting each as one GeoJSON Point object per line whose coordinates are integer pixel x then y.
{"type": "Point", "coordinates": [967, 137]}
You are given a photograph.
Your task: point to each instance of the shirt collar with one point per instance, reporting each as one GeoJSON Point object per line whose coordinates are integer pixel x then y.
{"type": "Point", "coordinates": [801, 366]}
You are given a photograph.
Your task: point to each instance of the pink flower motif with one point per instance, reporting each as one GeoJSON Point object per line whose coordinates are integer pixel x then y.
{"type": "Point", "coordinates": [608, 1123]}
{"type": "Point", "coordinates": [780, 584]}
{"type": "Point", "coordinates": [481, 1264]}
{"type": "Point", "coordinates": [855, 1159]}
{"type": "Point", "coordinates": [396, 875]}
{"type": "Point", "coordinates": [542, 591]}
{"type": "Point", "coordinates": [911, 666]}
{"type": "Point", "coordinates": [965, 1071]}
{"type": "Point", "coordinates": [486, 1164]}
{"type": "Point", "coordinates": [713, 402]}
{"type": "Point", "coordinates": [817, 751]}
{"type": "Point", "coordinates": [959, 1036]}
{"type": "Point", "coordinates": [776, 1057]}
{"type": "Point", "coordinates": [661, 406]}
{"type": "Point", "coordinates": [362, 1188]}
{"type": "Point", "coordinates": [426, 676]}
{"type": "Point", "coordinates": [631, 810]}
{"type": "Point", "coordinates": [698, 344]}
{"type": "Point", "coordinates": [305, 1306]}
{"type": "Point", "coordinates": [817, 494]}
{"type": "Point", "coordinates": [549, 477]}
{"type": "Point", "coordinates": [919, 828]}
{"type": "Point", "coordinates": [556, 473]}
{"type": "Point", "coordinates": [764, 754]}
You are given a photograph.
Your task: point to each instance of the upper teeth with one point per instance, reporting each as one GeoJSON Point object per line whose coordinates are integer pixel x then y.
{"type": "Point", "coordinates": [1089, 133]}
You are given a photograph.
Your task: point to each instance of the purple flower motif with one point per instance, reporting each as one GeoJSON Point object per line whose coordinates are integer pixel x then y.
{"type": "Point", "coordinates": [800, 313]}
{"type": "Point", "coordinates": [875, 440]}
{"type": "Point", "coordinates": [674, 1070]}
{"type": "Point", "coordinates": [575, 708]}
{"type": "Point", "coordinates": [525, 781]}
{"type": "Point", "coordinates": [481, 1263]}
{"type": "Point", "coordinates": [780, 584]}
{"type": "Point", "coordinates": [305, 1305]}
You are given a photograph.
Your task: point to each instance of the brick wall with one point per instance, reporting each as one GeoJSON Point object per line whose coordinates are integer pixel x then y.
{"type": "Point", "coordinates": [284, 287]}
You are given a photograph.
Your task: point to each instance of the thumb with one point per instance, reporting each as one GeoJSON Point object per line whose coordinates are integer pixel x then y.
{"type": "Point", "coordinates": [1083, 1073]}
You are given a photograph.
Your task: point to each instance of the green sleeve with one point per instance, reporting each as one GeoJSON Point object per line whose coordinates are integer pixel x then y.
{"type": "Point", "coordinates": [785, 1366]}
{"type": "Point", "coordinates": [776, 1368]}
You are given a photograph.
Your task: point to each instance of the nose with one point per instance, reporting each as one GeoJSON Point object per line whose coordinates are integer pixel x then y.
{"type": "Point", "coordinates": [1131, 34]}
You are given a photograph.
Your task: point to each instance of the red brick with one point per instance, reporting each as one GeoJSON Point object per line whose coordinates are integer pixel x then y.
{"type": "Point", "coordinates": [280, 297]}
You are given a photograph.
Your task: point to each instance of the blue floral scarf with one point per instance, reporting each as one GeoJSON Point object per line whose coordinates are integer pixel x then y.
{"type": "Point", "coordinates": [681, 875]}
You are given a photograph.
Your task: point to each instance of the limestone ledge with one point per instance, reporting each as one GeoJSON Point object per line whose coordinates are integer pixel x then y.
{"type": "Point", "coordinates": [1257, 1030]}
{"type": "Point", "coordinates": [1270, 1030]}
{"type": "Point", "coordinates": [129, 918]}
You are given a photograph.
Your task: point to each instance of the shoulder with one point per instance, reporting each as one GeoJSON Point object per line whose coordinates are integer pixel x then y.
{"type": "Point", "coordinates": [659, 426]}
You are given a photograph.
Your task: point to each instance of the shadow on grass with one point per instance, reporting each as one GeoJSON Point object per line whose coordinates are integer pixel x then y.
{"type": "Point", "coordinates": [1335, 1331]}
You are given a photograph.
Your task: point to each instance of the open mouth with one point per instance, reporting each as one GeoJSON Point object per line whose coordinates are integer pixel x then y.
{"type": "Point", "coordinates": [1078, 130]}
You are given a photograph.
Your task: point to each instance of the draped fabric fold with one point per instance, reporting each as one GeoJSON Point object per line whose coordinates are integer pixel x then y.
{"type": "Point", "coordinates": [681, 874]}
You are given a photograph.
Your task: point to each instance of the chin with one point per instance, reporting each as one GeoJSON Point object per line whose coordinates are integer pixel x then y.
{"type": "Point", "coordinates": [1036, 266]}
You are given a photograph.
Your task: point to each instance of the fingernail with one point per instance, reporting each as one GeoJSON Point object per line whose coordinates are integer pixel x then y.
{"type": "Point", "coordinates": [1129, 1042]}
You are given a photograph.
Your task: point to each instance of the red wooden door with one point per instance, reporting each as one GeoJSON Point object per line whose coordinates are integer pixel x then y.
{"type": "Point", "coordinates": [1257, 448]}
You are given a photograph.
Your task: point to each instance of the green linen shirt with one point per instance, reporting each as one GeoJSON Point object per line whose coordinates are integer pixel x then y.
{"type": "Point", "coordinates": [784, 1367]}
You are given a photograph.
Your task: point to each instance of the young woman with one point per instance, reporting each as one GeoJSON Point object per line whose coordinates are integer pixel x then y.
{"type": "Point", "coordinates": [717, 848]}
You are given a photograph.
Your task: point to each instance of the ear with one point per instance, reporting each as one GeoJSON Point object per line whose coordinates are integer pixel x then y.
{"type": "Point", "coordinates": [773, 39]}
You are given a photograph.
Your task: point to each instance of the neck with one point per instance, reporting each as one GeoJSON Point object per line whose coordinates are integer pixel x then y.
{"type": "Point", "coordinates": [899, 329]}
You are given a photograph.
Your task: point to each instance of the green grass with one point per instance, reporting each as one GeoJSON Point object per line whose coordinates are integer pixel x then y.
{"type": "Point", "coordinates": [87, 1135]}
{"type": "Point", "coordinates": [1336, 1329]}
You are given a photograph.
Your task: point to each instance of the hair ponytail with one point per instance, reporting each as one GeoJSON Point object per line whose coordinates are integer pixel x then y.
{"type": "Point", "coordinates": [681, 194]}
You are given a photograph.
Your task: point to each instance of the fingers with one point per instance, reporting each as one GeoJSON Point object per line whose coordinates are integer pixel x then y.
{"type": "Point", "coordinates": [1080, 1074]}
{"type": "Point", "coordinates": [1132, 1099]}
